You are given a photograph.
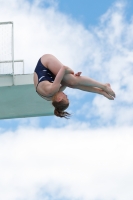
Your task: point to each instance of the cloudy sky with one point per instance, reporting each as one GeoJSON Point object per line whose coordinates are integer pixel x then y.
{"type": "Point", "coordinates": [88, 157]}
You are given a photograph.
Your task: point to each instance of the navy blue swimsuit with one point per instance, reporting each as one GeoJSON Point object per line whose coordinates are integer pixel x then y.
{"type": "Point", "coordinates": [44, 74]}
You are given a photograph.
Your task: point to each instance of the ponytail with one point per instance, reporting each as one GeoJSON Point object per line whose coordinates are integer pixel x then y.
{"type": "Point", "coordinates": [59, 109]}
{"type": "Point", "coordinates": [61, 114]}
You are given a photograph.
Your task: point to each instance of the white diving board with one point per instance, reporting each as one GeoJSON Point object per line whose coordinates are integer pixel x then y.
{"type": "Point", "coordinates": [18, 98]}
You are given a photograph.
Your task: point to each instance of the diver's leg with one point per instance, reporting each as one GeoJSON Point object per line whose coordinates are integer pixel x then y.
{"type": "Point", "coordinates": [52, 63]}
{"type": "Point", "coordinates": [81, 81]}
{"type": "Point", "coordinates": [95, 90]}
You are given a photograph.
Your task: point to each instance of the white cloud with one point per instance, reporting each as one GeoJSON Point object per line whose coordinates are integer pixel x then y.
{"type": "Point", "coordinates": [40, 30]}
{"type": "Point", "coordinates": [66, 163]}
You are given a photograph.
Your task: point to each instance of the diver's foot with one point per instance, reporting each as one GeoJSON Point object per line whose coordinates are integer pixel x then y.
{"type": "Point", "coordinates": [107, 96]}
{"type": "Point", "coordinates": [108, 90]}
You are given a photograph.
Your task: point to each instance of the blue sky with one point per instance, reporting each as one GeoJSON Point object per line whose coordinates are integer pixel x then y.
{"type": "Point", "coordinates": [46, 158]}
{"type": "Point", "coordinates": [87, 12]}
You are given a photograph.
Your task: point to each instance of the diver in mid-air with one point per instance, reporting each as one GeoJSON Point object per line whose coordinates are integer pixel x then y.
{"type": "Point", "coordinates": [51, 77]}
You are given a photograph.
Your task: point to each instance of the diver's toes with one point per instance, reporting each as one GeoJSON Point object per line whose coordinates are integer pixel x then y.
{"type": "Point", "coordinates": [113, 94]}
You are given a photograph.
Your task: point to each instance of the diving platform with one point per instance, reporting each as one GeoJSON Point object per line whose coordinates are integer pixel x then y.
{"type": "Point", "coordinates": [18, 98]}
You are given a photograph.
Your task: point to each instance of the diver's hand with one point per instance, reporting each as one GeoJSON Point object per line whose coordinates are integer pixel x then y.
{"type": "Point", "coordinates": [78, 73]}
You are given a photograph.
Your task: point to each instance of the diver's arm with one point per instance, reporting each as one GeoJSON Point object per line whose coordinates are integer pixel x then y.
{"type": "Point", "coordinates": [55, 86]}
{"type": "Point", "coordinates": [62, 88]}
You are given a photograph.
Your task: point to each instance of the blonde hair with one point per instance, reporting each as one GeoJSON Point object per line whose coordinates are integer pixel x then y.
{"type": "Point", "coordinates": [59, 109]}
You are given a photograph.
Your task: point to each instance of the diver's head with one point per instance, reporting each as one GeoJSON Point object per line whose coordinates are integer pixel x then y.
{"type": "Point", "coordinates": [61, 103]}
